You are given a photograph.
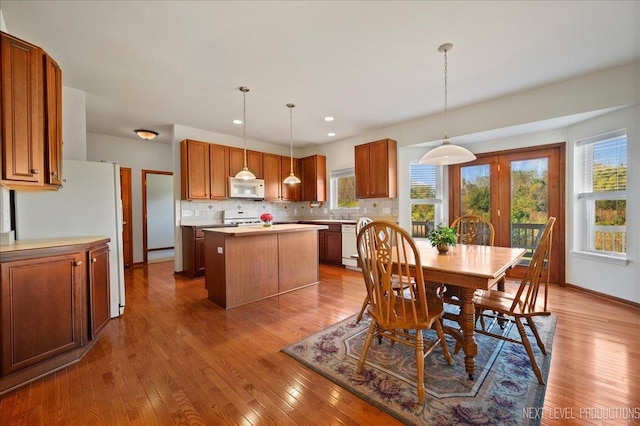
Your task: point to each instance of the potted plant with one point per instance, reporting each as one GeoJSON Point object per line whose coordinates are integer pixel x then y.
{"type": "Point", "coordinates": [442, 237]}
{"type": "Point", "coordinates": [266, 219]}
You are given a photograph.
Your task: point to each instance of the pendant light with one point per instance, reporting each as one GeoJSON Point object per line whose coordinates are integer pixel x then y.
{"type": "Point", "coordinates": [244, 174]}
{"type": "Point", "coordinates": [292, 178]}
{"type": "Point", "coordinates": [447, 153]}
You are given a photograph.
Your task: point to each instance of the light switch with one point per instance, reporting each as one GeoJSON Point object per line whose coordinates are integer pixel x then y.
{"type": "Point", "coordinates": [197, 213]}
{"type": "Point", "coordinates": [220, 250]}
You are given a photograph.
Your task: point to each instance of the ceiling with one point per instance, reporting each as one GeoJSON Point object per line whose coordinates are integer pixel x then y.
{"type": "Point", "coordinates": [369, 64]}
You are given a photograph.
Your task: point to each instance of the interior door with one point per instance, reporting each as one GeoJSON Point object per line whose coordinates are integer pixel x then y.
{"type": "Point", "coordinates": [517, 190]}
{"type": "Point", "coordinates": [127, 213]}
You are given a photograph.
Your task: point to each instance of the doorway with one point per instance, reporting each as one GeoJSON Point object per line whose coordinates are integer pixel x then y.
{"type": "Point", "coordinates": [157, 216]}
{"type": "Point", "coordinates": [517, 190]}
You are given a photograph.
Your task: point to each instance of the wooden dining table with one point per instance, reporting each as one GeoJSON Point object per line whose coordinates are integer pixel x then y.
{"type": "Point", "coordinates": [469, 267]}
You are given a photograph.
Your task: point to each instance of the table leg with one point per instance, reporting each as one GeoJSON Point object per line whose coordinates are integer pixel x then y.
{"type": "Point", "coordinates": [467, 314]}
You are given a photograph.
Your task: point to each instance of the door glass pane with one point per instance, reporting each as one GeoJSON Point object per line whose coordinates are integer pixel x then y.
{"type": "Point", "coordinates": [529, 203]}
{"type": "Point", "coordinates": [475, 194]}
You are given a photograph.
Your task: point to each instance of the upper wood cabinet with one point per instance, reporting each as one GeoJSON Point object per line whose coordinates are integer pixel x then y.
{"type": "Point", "coordinates": [314, 172]}
{"type": "Point", "coordinates": [290, 192]}
{"type": "Point", "coordinates": [204, 170]}
{"type": "Point", "coordinates": [376, 169]}
{"type": "Point", "coordinates": [53, 121]}
{"type": "Point", "coordinates": [254, 162]}
{"type": "Point", "coordinates": [272, 166]}
{"type": "Point", "coordinates": [31, 116]}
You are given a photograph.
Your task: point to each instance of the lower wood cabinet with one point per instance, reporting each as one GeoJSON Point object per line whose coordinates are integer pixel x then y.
{"type": "Point", "coordinates": [54, 300]}
{"type": "Point", "coordinates": [330, 245]}
{"type": "Point", "coordinates": [192, 251]}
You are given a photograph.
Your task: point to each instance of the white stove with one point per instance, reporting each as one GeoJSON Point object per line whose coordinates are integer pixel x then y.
{"type": "Point", "coordinates": [240, 217]}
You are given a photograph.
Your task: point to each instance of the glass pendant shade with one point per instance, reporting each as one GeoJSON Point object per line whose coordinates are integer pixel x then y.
{"type": "Point", "coordinates": [446, 154]}
{"type": "Point", "coordinates": [244, 174]}
{"type": "Point", "coordinates": [292, 179]}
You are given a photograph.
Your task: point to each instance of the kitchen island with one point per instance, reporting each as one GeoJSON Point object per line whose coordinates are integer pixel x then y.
{"type": "Point", "coordinates": [248, 263]}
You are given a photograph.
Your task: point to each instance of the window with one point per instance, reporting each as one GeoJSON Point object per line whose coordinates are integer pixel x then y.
{"type": "Point", "coordinates": [426, 198]}
{"type": "Point", "coordinates": [343, 189]}
{"type": "Point", "coordinates": [601, 186]}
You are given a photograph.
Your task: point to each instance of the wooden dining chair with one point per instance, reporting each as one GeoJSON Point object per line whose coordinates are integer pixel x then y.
{"type": "Point", "coordinates": [524, 304]}
{"type": "Point", "coordinates": [385, 249]}
{"type": "Point", "coordinates": [395, 281]}
{"type": "Point", "coordinates": [474, 229]}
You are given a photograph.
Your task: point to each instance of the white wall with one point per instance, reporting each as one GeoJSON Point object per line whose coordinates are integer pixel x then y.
{"type": "Point", "coordinates": [74, 124]}
{"type": "Point", "coordinates": [159, 211]}
{"type": "Point", "coordinates": [621, 281]}
{"type": "Point", "coordinates": [138, 155]}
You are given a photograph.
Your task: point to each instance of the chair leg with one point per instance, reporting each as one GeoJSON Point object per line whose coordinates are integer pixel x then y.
{"type": "Point", "coordinates": [420, 365]}
{"type": "Point", "coordinates": [443, 342]}
{"type": "Point", "coordinates": [533, 328]}
{"type": "Point", "coordinates": [364, 306]}
{"type": "Point", "coordinates": [367, 344]}
{"type": "Point", "coordinates": [527, 346]}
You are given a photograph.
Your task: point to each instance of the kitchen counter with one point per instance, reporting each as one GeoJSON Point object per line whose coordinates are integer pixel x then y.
{"type": "Point", "coordinates": [20, 246]}
{"type": "Point", "coordinates": [331, 221]}
{"type": "Point", "coordinates": [248, 263]}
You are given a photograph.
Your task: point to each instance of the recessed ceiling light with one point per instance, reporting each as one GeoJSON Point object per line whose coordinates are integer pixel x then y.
{"type": "Point", "coordinates": [237, 121]}
{"type": "Point", "coordinates": [331, 134]}
{"type": "Point", "coordinates": [329, 118]}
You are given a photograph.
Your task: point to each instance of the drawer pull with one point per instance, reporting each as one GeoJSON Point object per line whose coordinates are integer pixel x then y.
{"type": "Point", "coordinates": [94, 260]}
{"type": "Point", "coordinates": [78, 263]}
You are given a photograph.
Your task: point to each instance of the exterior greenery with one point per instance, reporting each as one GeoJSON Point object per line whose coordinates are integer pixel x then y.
{"type": "Point", "coordinates": [347, 192]}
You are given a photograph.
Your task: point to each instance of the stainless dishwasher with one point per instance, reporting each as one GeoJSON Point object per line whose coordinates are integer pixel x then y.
{"type": "Point", "coordinates": [349, 246]}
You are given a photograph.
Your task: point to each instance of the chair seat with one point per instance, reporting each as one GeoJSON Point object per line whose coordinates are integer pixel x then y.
{"type": "Point", "coordinates": [434, 313]}
{"type": "Point", "coordinates": [501, 302]}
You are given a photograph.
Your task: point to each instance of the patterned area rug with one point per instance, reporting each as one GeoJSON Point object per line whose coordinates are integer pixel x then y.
{"type": "Point", "coordinates": [504, 390]}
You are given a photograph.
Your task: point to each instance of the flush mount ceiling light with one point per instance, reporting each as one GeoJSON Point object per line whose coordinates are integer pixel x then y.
{"type": "Point", "coordinates": [244, 174]}
{"type": "Point", "coordinates": [146, 134]}
{"type": "Point", "coordinates": [292, 178]}
{"type": "Point", "coordinates": [329, 118]}
{"type": "Point", "coordinates": [447, 153]}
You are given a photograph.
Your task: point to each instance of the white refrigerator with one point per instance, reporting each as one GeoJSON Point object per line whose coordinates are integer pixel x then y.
{"type": "Point", "coordinates": [88, 203]}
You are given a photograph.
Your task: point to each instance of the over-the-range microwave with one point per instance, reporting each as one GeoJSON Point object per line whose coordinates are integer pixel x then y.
{"type": "Point", "coordinates": [240, 188]}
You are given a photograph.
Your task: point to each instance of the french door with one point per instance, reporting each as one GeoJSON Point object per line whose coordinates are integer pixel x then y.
{"type": "Point", "coordinates": [517, 190]}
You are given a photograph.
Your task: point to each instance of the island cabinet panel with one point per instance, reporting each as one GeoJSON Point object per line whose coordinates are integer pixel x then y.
{"type": "Point", "coordinates": [99, 294]}
{"type": "Point", "coordinates": [297, 250]}
{"type": "Point", "coordinates": [376, 169]}
{"type": "Point", "coordinates": [42, 309]}
{"type": "Point", "coordinates": [272, 165]}
{"type": "Point", "coordinates": [254, 162]}
{"type": "Point", "coordinates": [290, 192]}
{"type": "Point", "coordinates": [314, 172]}
{"type": "Point", "coordinates": [240, 270]}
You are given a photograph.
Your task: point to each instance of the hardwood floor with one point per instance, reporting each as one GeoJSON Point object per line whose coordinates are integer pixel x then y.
{"type": "Point", "coordinates": [174, 357]}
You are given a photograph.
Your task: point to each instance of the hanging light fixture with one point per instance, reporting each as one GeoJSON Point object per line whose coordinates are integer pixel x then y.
{"type": "Point", "coordinates": [447, 153]}
{"type": "Point", "coordinates": [292, 178]}
{"type": "Point", "coordinates": [244, 174]}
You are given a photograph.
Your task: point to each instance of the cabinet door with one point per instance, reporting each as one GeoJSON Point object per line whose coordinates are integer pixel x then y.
{"type": "Point", "coordinates": [194, 170]}
{"type": "Point", "coordinates": [333, 247]}
{"type": "Point", "coordinates": [21, 96]}
{"type": "Point", "coordinates": [41, 304]}
{"type": "Point", "coordinates": [272, 179]}
{"type": "Point", "coordinates": [322, 237]}
{"type": "Point", "coordinates": [290, 192]}
{"type": "Point", "coordinates": [314, 170]}
{"type": "Point", "coordinates": [361, 155]}
{"type": "Point", "coordinates": [379, 169]}
{"type": "Point", "coordinates": [219, 167]}
{"type": "Point", "coordinates": [99, 297]}
{"type": "Point", "coordinates": [254, 162]}
{"type": "Point", "coordinates": [199, 256]}
{"type": "Point", "coordinates": [53, 121]}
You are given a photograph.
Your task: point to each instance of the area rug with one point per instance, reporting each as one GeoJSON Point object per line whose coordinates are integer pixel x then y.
{"type": "Point", "coordinates": [504, 391]}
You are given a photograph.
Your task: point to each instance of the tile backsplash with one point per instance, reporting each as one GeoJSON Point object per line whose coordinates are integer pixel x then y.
{"type": "Point", "coordinates": [211, 211]}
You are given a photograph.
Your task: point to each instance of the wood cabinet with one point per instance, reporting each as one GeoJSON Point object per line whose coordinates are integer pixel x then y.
{"type": "Point", "coordinates": [204, 170]}
{"type": "Point", "coordinates": [30, 115]}
{"type": "Point", "coordinates": [272, 166]}
{"type": "Point", "coordinates": [254, 162]}
{"type": "Point", "coordinates": [193, 251]}
{"type": "Point", "coordinates": [290, 192]}
{"type": "Point", "coordinates": [54, 300]}
{"type": "Point", "coordinates": [314, 172]}
{"type": "Point", "coordinates": [376, 169]}
{"type": "Point", "coordinates": [53, 121]}
{"type": "Point", "coordinates": [99, 292]}
{"type": "Point", "coordinates": [330, 244]}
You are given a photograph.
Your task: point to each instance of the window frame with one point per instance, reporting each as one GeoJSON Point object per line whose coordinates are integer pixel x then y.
{"type": "Point", "coordinates": [437, 202]}
{"type": "Point", "coordinates": [334, 175]}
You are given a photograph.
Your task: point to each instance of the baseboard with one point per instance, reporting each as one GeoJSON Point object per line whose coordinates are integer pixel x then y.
{"type": "Point", "coordinates": [604, 296]}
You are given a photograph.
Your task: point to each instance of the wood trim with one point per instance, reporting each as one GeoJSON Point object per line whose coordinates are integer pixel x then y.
{"type": "Point", "coordinates": [145, 172]}
{"type": "Point", "coordinates": [160, 248]}
{"type": "Point", "coordinates": [602, 295]}
{"type": "Point", "coordinates": [127, 214]}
